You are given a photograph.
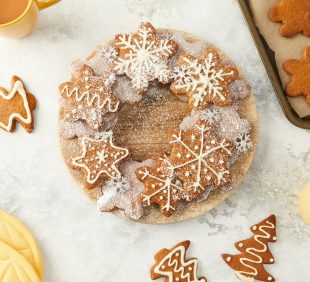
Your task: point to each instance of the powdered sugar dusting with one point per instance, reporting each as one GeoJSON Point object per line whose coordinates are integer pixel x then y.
{"type": "Point", "coordinates": [231, 125]}
{"type": "Point", "coordinates": [239, 89]}
{"type": "Point", "coordinates": [193, 48]}
{"type": "Point", "coordinates": [70, 130]}
{"type": "Point", "coordinates": [123, 192]}
{"type": "Point", "coordinates": [124, 92]}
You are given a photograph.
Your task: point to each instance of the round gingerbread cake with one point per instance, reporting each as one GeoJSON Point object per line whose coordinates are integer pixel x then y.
{"type": "Point", "coordinates": [157, 125]}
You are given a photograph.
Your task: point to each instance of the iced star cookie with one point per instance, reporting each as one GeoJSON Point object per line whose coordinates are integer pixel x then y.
{"type": "Point", "coordinates": [294, 16]}
{"type": "Point", "coordinates": [143, 57]}
{"type": "Point", "coordinates": [89, 97]}
{"type": "Point", "coordinates": [299, 70]}
{"type": "Point", "coordinates": [98, 159]}
{"type": "Point", "coordinates": [198, 154]}
{"type": "Point", "coordinates": [173, 266]}
{"type": "Point", "coordinates": [205, 80]}
{"type": "Point", "coordinates": [16, 105]}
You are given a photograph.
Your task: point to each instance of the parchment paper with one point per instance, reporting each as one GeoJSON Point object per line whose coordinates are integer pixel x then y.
{"type": "Point", "coordinates": [284, 48]}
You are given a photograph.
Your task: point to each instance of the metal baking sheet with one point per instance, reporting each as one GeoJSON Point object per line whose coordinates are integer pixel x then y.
{"type": "Point", "coordinates": [268, 58]}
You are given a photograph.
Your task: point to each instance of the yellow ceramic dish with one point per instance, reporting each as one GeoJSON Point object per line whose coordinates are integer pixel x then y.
{"type": "Point", "coordinates": [15, 234]}
{"type": "Point", "coordinates": [14, 267]}
{"type": "Point", "coordinates": [25, 23]}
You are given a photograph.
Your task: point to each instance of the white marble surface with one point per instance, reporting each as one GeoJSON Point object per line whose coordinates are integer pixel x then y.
{"type": "Point", "coordinates": [77, 242]}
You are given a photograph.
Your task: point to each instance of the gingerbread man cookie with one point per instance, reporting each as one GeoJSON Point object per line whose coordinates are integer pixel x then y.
{"type": "Point", "coordinates": [143, 57]}
{"type": "Point", "coordinates": [16, 105]}
{"type": "Point", "coordinates": [300, 74]}
{"type": "Point", "coordinates": [254, 252]}
{"type": "Point", "coordinates": [89, 97]}
{"type": "Point", "coordinates": [205, 81]}
{"type": "Point", "coordinates": [294, 16]}
{"type": "Point", "coordinates": [99, 159]}
{"type": "Point", "coordinates": [200, 159]}
{"type": "Point", "coordinates": [174, 267]}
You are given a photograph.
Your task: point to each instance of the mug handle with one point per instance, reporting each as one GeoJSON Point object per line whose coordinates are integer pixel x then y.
{"type": "Point", "coordinates": [42, 4]}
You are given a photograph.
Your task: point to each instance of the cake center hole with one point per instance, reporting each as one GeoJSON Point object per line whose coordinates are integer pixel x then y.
{"type": "Point", "coordinates": [143, 127]}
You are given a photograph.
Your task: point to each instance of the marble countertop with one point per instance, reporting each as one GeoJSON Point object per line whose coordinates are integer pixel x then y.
{"type": "Point", "coordinates": [80, 244]}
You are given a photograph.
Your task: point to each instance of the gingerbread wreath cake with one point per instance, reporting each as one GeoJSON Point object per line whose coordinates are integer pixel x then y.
{"type": "Point", "coordinates": [157, 125]}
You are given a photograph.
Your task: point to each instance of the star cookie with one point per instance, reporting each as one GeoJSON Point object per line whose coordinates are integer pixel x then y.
{"type": "Point", "coordinates": [89, 97]}
{"type": "Point", "coordinates": [294, 16]}
{"type": "Point", "coordinates": [143, 57]}
{"type": "Point", "coordinates": [99, 159]}
{"type": "Point", "coordinates": [205, 81]}
{"type": "Point", "coordinates": [16, 105]}
{"type": "Point", "coordinates": [162, 186]}
{"type": "Point", "coordinates": [300, 76]}
{"type": "Point", "coordinates": [200, 159]}
{"type": "Point", "coordinates": [172, 265]}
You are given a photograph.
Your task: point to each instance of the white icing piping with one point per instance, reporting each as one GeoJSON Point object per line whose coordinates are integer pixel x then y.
{"type": "Point", "coordinates": [200, 158]}
{"type": "Point", "coordinates": [90, 98]}
{"type": "Point", "coordinates": [167, 185]}
{"type": "Point", "coordinates": [17, 88]}
{"type": "Point", "coordinates": [201, 79]}
{"type": "Point", "coordinates": [113, 165]}
{"type": "Point", "coordinates": [253, 251]}
{"type": "Point", "coordinates": [178, 268]}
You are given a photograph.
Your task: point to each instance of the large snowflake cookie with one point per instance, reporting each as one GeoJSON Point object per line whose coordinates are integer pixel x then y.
{"type": "Point", "coordinates": [200, 159]}
{"type": "Point", "coordinates": [143, 57]}
{"type": "Point", "coordinates": [89, 97]}
{"type": "Point", "coordinates": [99, 159]}
{"type": "Point", "coordinates": [205, 81]}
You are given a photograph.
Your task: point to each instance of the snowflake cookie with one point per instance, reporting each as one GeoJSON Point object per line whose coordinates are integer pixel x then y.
{"type": "Point", "coordinates": [200, 159]}
{"type": "Point", "coordinates": [162, 186]}
{"type": "Point", "coordinates": [89, 97]}
{"type": "Point", "coordinates": [143, 57]}
{"type": "Point", "coordinates": [99, 159]}
{"type": "Point", "coordinates": [205, 81]}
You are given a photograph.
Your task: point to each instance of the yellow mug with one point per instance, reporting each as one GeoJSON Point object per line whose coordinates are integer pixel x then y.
{"type": "Point", "coordinates": [24, 24]}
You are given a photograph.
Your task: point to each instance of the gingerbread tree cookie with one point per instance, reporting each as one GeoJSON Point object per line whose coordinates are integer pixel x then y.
{"type": "Point", "coordinates": [99, 159]}
{"type": "Point", "coordinates": [16, 105]}
{"type": "Point", "coordinates": [200, 159]}
{"type": "Point", "coordinates": [254, 252]}
{"type": "Point", "coordinates": [300, 73]}
{"type": "Point", "coordinates": [162, 186]}
{"type": "Point", "coordinates": [143, 57]}
{"type": "Point", "coordinates": [205, 81]}
{"type": "Point", "coordinates": [294, 16]}
{"type": "Point", "coordinates": [89, 97]}
{"type": "Point", "coordinates": [174, 267]}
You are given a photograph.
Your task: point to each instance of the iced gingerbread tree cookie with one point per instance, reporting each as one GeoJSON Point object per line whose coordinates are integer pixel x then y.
{"type": "Point", "coordinates": [157, 125]}
{"type": "Point", "coordinates": [254, 252]}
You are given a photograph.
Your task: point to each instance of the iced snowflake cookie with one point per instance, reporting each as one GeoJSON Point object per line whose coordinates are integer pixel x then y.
{"type": "Point", "coordinates": [205, 80]}
{"type": "Point", "coordinates": [176, 130]}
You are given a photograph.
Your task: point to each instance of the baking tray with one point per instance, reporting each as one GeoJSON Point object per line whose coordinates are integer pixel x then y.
{"type": "Point", "coordinates": [268, 58]}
